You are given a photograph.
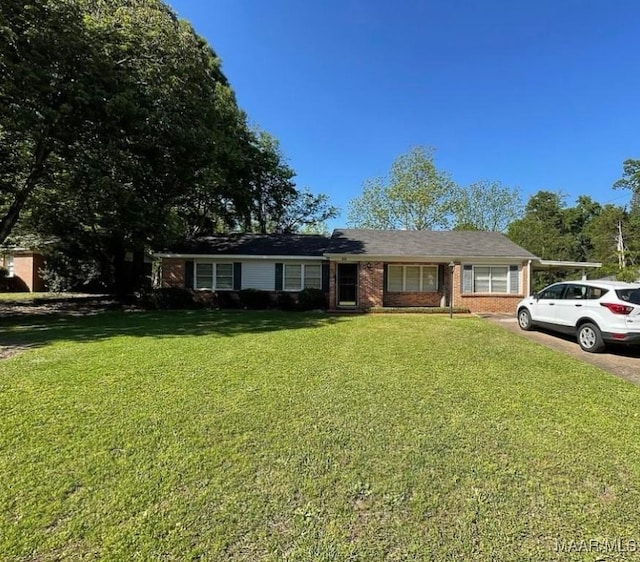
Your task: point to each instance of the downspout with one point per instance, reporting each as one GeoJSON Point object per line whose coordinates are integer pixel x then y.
{"type": "Point", "coordinates": [529, 279]}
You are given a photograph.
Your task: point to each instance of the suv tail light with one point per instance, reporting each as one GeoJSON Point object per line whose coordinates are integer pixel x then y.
{"type": "Point", "coordinates": [617, 308]}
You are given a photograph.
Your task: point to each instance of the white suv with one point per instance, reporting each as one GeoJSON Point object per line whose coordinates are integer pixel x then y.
{"type": "Point", "coordinates": [597, 312]}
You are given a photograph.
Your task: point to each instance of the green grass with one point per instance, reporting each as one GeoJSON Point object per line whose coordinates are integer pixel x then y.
{"type": "Point", "coordinates": [272, 436]}
{"type": "Point", "coordinates": [7, 298]}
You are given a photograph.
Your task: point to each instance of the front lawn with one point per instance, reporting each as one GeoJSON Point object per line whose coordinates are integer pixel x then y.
{"type": "Point", "coordinates": [304, 437]}
{"type": "Point", "coordinates": [8, 298]}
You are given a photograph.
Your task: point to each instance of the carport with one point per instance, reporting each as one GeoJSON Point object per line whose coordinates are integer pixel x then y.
{"type": "Point", "coordinates": [561, 266]}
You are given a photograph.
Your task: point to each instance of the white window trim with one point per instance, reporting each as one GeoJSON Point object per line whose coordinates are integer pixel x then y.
{"type": "Point", "coordinates": [491, 291]}
{"type": "Point", "coordinates": [404, 278]}
{"type": "Point", "coordinates": [214, 276]}
{"type": "Point", "coordinates": [303, 275]}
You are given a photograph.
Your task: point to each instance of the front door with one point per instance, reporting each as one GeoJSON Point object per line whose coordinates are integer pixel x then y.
{"type": "Point", "coordinates": [347, 284]}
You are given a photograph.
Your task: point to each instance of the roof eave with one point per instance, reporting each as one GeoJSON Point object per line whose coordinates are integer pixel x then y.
{"type": "Point", "coordinates": [437, 258]}
{"type": "Point", "coordinates": [184, 255]}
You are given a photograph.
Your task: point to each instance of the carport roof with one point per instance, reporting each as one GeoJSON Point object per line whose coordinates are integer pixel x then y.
{"type": "Point", "coordinates": [549, 265]}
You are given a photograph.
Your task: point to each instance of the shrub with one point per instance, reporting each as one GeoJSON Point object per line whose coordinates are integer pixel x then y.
{"type": "Point", "coordinates": [168, 298]}
{"type": "Point", "coordinates": [255, 299]}
{"type": "Point", "coordinates": [628, 274]}
{"type": "Point", "coordinates": [311, 299]}
{"type": "Point", "coordinates": [228, 299]}
{"type": "Point", "coordinates": [286, 301]}
{"type": "Point", "coordinates": [205, 299]}
{"type": "Point", "coordinates": [74, 272]}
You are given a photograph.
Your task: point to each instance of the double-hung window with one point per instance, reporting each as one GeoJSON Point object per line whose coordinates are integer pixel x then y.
{"type": "Point", "coordinates": [490, 279]}
{"type": "Point", "coordinates": [214, 276]}
{"type": "Point", "coordinates": [412, 278]}
{"type": "Point", "coordinates": [497, 279]}
{"type": "Point", "coordinates": [301, 276]}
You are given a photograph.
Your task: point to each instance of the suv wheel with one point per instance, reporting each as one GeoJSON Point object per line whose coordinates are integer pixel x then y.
{"type": "Point", "coordinates": [524, 319]}
{"type": "Point", "coordinates": [590, 338]}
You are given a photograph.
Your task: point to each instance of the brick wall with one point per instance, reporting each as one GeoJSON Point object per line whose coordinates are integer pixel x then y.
{"type": "Point", "coordinates": [370, 284]}
{"type": "Point", "coordinates": [23, 269]}
{"type": "Point", "coordinates": [332, 285]}
{"type": "Point", "coordinates": [26, 267]}
{"type": "Point", "coordinates": [412, 299]}
{"type": "Point", "coordinates": [38, 282]}
{"type": "Point", "coordinates": [172, 272]}
{"type": "Point", "coordinates": [490, 302]}
{"type": "Point", "coordinates": [435, 298]}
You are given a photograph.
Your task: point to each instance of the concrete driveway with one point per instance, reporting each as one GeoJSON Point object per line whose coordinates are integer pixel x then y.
{"type": "Point", "coordinates": [619, 360]}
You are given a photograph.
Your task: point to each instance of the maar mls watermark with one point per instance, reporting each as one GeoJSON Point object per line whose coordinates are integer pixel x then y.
{"type": "Point", "coordinates": [602, 546]}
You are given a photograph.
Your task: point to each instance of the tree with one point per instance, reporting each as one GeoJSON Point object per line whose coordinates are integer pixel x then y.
{"type": "Point", "coordinates": [109, 129]}
{"type": "Point", "coordinates": [306, 212]}
{"type": "Point", "coordinates": [271, 185]}
{"type": "Point", "coordinates": [50, 86]}
{"type": "Point", "coordinates": [542, 228]}
{"type": "Point", "coordinates": [486, 205]}
{"type": "Point", "coordinates": [601, 232]}
{"type": "Point", "coordinates": [415, 196]}
{"type": "Point", "coordinates": [120, 133]}
{"type": "Point", "coordinates": [631, 180]}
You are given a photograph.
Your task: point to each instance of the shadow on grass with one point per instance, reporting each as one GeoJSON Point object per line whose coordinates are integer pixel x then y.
{"type": "Point", "coordinates": [42, 330]}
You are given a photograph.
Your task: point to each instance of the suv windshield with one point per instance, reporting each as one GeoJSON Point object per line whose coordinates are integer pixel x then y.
{"type": "Point", "coordinates": [629, 295]}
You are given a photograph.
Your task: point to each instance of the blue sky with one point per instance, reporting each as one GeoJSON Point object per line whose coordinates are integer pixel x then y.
{"type": "Point", "coordinates": [537, 94]}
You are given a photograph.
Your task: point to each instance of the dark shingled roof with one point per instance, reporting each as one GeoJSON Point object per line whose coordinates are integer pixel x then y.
{"type": "Point", "coordinates": [425, 243]}
{"type": "Point", "coordinates": [255, 245]}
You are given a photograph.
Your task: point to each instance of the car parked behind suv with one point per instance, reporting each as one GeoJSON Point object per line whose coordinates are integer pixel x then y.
{"type": "Point", "coordinates": [596, 312]}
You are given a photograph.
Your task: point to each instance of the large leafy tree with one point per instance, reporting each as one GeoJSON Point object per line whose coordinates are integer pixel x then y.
{"type": "Point", "coordinates": [140, 135]}
{"type": "Point", "coordinates": [485, 205]}
{"type": "Point", "coordinates": [119, 131]}
{"type": "Point", "coordinates": [542, 229]}
{"type": "Point", "coordinates": [631, 180]}
{"type": "Point", "coordinates": [52, 81]}
{"type": "Point", "coordinates": [586, 231]}
{"type": "Point", "coordinates": [415, 195]}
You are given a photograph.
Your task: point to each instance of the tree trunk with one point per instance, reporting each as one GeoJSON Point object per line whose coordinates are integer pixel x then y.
{"type": "Point", "coordinates": [12, 215]}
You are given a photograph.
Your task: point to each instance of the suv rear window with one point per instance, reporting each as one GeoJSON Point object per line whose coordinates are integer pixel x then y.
{"type": "Point", "coordinates": [629, 295]}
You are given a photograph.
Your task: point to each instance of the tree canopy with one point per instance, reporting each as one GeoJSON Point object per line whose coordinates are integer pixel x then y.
{"type": "Point", "coordinates": [417, 196]}
{"type": "Point", "coordinates": [586, 231]}
{"type": "Point", "coordinates": [119, 132]}
{"type": "Point", "coordinates": [414, 196]}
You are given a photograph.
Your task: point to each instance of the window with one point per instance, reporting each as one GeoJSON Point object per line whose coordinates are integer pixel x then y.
{"type": "Point", "coordinates": [553, 292]}
{"type": "Point", "coordinates": [301, 276]}
{"type": "Point", "coordinates": [214, 276]}
{"type": "Point", "coordinates": [574, 292]}
{"type": "Point", "coordinates": [594, 293]}
{"type": "Point", "coordinates": [224, 276]}
{"type": "Point", "coordinates": [313, 277]}
{"type": "Point", "coordinates": [8, 264]}
{"type": "Point", "coordinates": [491, 279]}
{"type": "Point", "coordinates": [628, 295]}
{"type": "Point", "coordinates": [412, 278]}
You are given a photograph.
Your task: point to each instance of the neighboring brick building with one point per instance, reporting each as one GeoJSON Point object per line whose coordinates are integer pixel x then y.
{"type": "Point", "coordinates": [362, 269]}
{"type": "Point", "coordinates": [24, 267]}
